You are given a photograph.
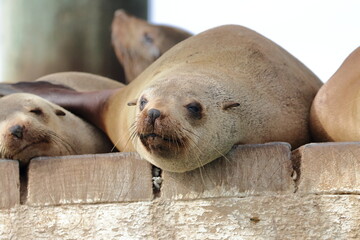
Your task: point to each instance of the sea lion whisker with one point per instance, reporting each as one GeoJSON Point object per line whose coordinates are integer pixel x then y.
{"type": "Point", "coordinates": [133, 134]}
{"type": "Point", "coordinates": [210, 145]}
{"type": "Point", "coordinates": [59, 140]}
{"type": "Point", "coordinates": [198, 160]}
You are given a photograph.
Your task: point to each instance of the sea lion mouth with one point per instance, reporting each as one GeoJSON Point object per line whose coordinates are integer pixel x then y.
{"type": "Point", "coordinates": [161, 145]}
{"type": "Point", "coordinates": [26, 147]}
{"type": "Point", "coordinates": [156, 137]}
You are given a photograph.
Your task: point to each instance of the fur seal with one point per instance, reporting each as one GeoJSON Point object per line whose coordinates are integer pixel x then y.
{"type": "Point", "coordinates": [31, 126]}
{"type": "Point", "coordinates": [138, 43]}
{"type": "Point", "coordinates": [228, 85]}
{"type": "Point", "coordinates": [81, 81]}
{"type": "Point", "coordinates": [335, 112]}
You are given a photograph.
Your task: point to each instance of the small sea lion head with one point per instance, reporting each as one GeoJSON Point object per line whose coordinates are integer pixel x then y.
{"type": "Point", "coordinates": [31, 126]}
{"type": "Point", "coordinates": [138, 43]}
{"type": "Point", "coordinates": [180, 127]}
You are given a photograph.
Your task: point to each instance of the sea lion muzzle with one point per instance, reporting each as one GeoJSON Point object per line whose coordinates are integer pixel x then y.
{"type": "Point", "coordinates": [16, 131]}
{"type": "Point", "coordinates": [153, 114]}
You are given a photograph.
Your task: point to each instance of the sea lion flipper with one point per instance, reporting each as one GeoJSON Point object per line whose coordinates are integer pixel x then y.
{"type": "Point", "coordinates": [6, 89]}
{"type": "Point", "coordinates": [39, 88]}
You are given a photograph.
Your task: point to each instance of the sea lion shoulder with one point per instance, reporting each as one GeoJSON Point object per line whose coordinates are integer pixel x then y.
{"type": "Point", "coordinates": [334, 112]}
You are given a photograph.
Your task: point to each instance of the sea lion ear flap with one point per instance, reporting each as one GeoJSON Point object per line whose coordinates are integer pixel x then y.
{"type": "Point", "coordinates": [228, 105]}
{"type": "Point", "coordinates": [132, 103]}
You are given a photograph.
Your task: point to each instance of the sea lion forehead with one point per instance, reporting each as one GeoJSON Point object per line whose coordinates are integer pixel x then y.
{"type": "Point", "coordinates": [172, 91]}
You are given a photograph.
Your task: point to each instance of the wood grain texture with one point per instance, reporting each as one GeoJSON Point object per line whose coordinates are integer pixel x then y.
{"type": "Point", "coordinates": [9, 183]}
{"type": "Point", "coordinates": [245, 170]}
{"type": "Point", "coordinates": [257, 217]}
{"type": "Point", "coordinates": [115, 177]}
{"type": "Point", "coordinates": [328, 168]}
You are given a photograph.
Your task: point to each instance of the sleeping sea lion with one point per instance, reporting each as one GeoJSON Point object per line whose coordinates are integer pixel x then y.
{"type": "Point", "coordinates": [335, 112]}
{"type": "Point", "coordinates": [228, 85]}
{"type": "Point", "coordinates": [31, 126]}
{"type": "Point", "coordinates": [138, 43]}
{"type": "Point", "coordinates": [81, 81]}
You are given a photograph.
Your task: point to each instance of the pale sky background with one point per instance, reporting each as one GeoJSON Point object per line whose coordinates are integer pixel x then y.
{"type": "Point", "coordinates": [319, 33]}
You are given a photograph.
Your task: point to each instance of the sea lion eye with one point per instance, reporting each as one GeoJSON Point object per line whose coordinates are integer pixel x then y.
{"type": "Point", "coordinates": [143, 102]}
{"type": "Point", "coordinates": [147, 38]}
{"type": "Point", "coordinates": [194, 109]}
{"type": "Point", "coordinates": [37, 111]}
{"type": "Point", "coordinates": [58, 112]}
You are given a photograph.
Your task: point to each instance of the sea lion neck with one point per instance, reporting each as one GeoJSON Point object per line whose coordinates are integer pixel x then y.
{"type": "Point", "coordinates": [92, 105]}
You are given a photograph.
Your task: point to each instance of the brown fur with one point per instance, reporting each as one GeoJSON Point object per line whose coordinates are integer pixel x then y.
{"type": "Point", "coordinates": [268, 92]}
{"type": "Point", "coordinates": [31, 126]}
{"type": "Point", "coordinates": [138, 43]}
{"type": "Point", "coordinates": [335, 111]}
{"type": "Point", "coordinates": [228, 85]}
{"type": "Point", "coordinates": [81, 81]}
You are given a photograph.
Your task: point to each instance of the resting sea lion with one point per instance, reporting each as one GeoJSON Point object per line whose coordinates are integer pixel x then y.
{"type": "Point", "coordinates": [228, 85]}
{"type": "Point", "coordinates": [335, 112]}
{"type": "Point", "coordinates": [81, 81]}
{"type": "Point", "coordinates": [30, 126]}
{"type": "Point", "coordinates": [138, 43]}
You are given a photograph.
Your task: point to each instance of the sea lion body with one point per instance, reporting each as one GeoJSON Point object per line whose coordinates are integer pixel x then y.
{"type": "Point", "coordinates": [228, 85]}
{"type": "Point", "coordinates": [31, 126]}
{"type": "Point", "coordinates": [138, 43]}
{"type": "Point", "coordinates": [81, 81]}
{"type": "Point", "coordinates": [335, 114]}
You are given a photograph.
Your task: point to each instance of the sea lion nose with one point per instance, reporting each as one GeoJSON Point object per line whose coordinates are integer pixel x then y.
{"type": "Point", "coordinates": [16, 131]}
{"type": "Point", "coordinates": [153, 114]}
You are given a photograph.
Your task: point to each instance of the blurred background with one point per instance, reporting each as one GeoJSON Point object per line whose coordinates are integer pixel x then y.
{"type": "Point", "coordinates": [39, 37]}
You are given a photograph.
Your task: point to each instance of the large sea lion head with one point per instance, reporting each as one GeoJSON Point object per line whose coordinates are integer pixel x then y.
{"type": "Point", "coordinates": [180, 126]}
{"type": "Point", "coordinates": [31, 126]}
{"type": "Point", "coordinates": [138, 43]}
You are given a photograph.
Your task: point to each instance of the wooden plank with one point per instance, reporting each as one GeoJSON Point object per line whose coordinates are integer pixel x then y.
{"type": "Point", "coordinates": [114, 177]}
{"type": "Point", "coordinates": [288, 216]}
{"type": "Point", "coordinates": [246, 170]}
{"type": "Point", "coordinates": [328, 168]}
{"type": "Point", "coordinates": [9, 183]}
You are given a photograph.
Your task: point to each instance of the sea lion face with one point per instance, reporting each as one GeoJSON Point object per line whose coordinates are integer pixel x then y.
{"type": "Point", "coordinates": [138, 43]}
{"type": "Point", "coordinates": [31, 126]}
{"type": "Point", "coordinates": [180, 127]}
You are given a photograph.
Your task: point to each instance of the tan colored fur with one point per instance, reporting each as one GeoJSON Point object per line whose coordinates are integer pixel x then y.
{"type": "Point", "coordinates": [47, 130]}
{"type": "Point", "coordinates": [81, 81]}
{"type": "Point", "coordinates": [335, 111]}
{"type": "Point", "coordinates": [225, 64]}
{"type": "Point", "coordinates": [138, 43]}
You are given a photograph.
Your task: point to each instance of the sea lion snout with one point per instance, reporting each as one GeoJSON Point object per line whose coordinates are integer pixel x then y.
{"type": "Point", "coordinates": [17, 131]}
{"type": "Point", "coordinates": [153, 114]}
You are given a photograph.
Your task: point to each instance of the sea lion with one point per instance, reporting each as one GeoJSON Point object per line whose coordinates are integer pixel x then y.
{"type": "Point", "coordinates": [81, 81]}
{"type": "Point", "coordinates": [335, 112]}
{"type": "Point", "coordinates": [138, 43]}
{"type": "Point", "coordinates": [30, 126]}
{"type": "Point", "coordinates": [228, 85]}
